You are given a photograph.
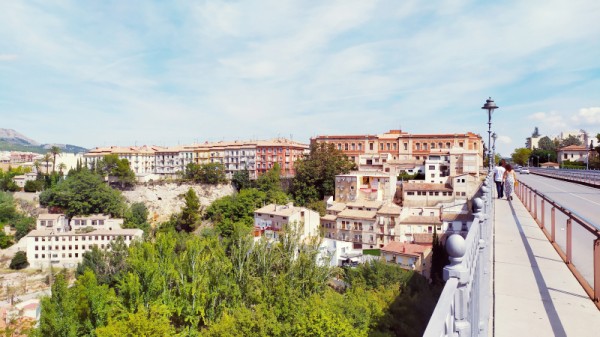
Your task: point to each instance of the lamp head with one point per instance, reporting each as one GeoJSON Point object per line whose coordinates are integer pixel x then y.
{"type": "Point", "coordinates": [489, 105]}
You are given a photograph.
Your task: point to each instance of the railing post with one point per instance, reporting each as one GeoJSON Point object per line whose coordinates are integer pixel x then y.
{"type": "Point", "coordinates": [597, 270]}
{"type": "Point", "coordinates": [569, 238]}
{"type": "Point", "coordinates": [456, 248]}
{"type": "Point", "coordinates": [535, 217]}
{"type": "Point", "coordinates": [543, 214]}
{"type": "Point", "coordinates": [553, 223]}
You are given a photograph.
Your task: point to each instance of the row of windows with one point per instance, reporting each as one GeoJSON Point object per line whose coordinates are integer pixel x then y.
{"type": "Point", "coordinates": [83, 237]}
{"type": "Point", "coordinates": [69, 247]}
{"type": "Point", "coordinates": [430, 193]}
{"type": "Point", "coordinates": [64, 255]}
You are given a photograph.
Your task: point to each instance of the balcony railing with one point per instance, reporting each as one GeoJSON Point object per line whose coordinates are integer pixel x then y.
{"type": "Point", "coordinates": [463, 306]}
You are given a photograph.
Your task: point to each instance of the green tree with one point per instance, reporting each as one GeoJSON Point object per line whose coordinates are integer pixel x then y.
{"type": "Point", "coordinates": [47, 159]}
{"type": "Point", "coordinates": [93, 303]}
{"type": "Point", "coordinates": [315, 174]}
{"type": "Point", "coordinates": [571, 140]}
{"type": "Point", "coordinates": [546, 144]}
{"type": "Point", "coordinates": [58, 316]}
{"type": "Point", "coordinates": [34, 185]}
{"type": "Point", "coordinates": [147, 322]}
{"type": "Point", "coordinates": [107, 265]}
{"type": "Point", "coordinates": [19, 261]}
{"type": "Point", "coordinates": [521, 156]}
{"type": "Point", "coordinates": [190, 213]}
{"type": "Point", "coordinates": [137, 217]}
{"type": "Point", "coordinates": [5, 240]}
{"type": "Point", "coordinates": [241, 180]}
{"type": "Point", "coordinates": [55, 151]}
{"type": "Point", "coordinates": [84, 193]}
{"type": "Point", "coordinates": [210, 173]}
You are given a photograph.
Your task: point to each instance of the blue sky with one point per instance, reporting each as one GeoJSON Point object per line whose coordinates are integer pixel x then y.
{"type": "Point", "coordinates": [96, 73]}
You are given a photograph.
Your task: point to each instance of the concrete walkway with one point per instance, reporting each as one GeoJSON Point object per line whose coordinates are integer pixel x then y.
{"type": "Point", "coordinates": [535, 294]}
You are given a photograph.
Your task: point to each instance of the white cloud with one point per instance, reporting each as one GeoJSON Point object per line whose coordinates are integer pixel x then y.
{"type": "Point", "coordinates": [587, 117]}
{"type": "Point", "coordinates": [504, 140]}
{"type": "Point", "coordinates": [8, 57]}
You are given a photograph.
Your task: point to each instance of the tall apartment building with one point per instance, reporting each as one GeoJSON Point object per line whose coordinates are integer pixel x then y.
{"type": "Point", "coordinates": [255, 156]}
{"type": "Point", "coordinates": [395, 148]}
{"type": "Point", "coordinates": [142, 159]}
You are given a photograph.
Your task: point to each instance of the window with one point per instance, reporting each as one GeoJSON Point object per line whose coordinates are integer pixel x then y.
{"type": "Point", "coordinates": [447, 145]}
{"type": "Point", "coordinates": [432, 145]}
{"type": "Point", "coordinates": [431, 167]}
{"type": "Point", "coordinates": [461, 144]}
{"type": "Point", "coordinates": [36, 247]}
{"type": "Point", "coordinates": [424, 146]}
{"type": "Point", "coordinates": [388, 146]}
{"type": "Point", "coordinates": [346, 146]}
{"type": "Point", "coordinates": [418, 147]}
{"type": "Point", "coordinates": [339, 146]}
{"type": "Point", "coordinates": [36, 256]}
{"type": "Point", "coordinates": [353, 146]}
{"type": "Point", "coordinates": [36, 239]}
{"type": "Point", "coordinates": [395, 146]}
{"type": "Point", "coordinates": [381, 146]}
{"type": "Point", "coordinates": [359, 146]}
{"type": "Point", "coordinates": [370, 146]}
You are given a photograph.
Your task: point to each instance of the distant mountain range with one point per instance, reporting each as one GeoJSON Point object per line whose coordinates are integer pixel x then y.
{"type": "Point", "coordinates": [11, 140]}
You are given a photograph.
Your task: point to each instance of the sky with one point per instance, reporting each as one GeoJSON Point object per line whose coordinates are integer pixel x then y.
{"type": "Point", "coordinates": [99, 73]}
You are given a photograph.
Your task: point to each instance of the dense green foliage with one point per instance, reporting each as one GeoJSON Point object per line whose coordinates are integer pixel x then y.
{"type": "Point", "coordinates": [19, 261]}
{"type": "Point", "coordinates": [571, 140]}
{"type": "Point", "coordinates": [210, 173]}
{"type": "Point", "coordinates": [521, 156]}
{"type": "Point", "coordinates": [6, 178]}
{"type": "Point", "coordinates": [315, 174]}
{"type": "Point", "coordinates": [187, 285]}
{"type": "Point", "coordinates": [84, 193]}
{"type": "Point", "coordinates": [9, 216]}
{"type": "Point", "coordinates": [137, 217]}
{"type": "Point", "coordinates": [117, 170]}
{"type": "Point", "coordinates": [34, 186]}
{"type": "Point", "coordinates": [241, 180]}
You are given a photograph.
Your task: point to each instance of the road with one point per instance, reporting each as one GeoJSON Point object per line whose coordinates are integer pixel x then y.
{"type": "Point", "coordinates": [582, 200]}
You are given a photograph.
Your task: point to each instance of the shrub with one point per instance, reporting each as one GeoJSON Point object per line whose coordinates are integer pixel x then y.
{"type": "Point", "coordinates": [19, 261]}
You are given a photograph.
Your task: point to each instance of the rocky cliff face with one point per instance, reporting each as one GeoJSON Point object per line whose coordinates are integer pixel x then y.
{"type": "Point", "coordinates": [166, 199]}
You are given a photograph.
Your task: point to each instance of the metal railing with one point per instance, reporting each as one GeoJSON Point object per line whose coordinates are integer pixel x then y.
{"type": "Point", "coordinates": [575, 239]}
{"type": "Point", "coordinates": [464, 305]}
{"type": "Point", "coordinates": [588, 177]}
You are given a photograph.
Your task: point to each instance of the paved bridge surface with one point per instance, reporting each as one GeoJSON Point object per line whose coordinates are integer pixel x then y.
{"type": "Point", "coordinates": [535, 293]}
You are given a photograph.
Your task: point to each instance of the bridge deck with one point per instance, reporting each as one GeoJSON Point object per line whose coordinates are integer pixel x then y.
{"type": "Point", "coordinates": [535, 294]}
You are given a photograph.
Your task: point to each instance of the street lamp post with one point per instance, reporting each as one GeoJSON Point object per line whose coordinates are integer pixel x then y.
{"type": "Point", "coordinates": [494, 137]}
{"type": "Point", "coordinates": [490, 106]}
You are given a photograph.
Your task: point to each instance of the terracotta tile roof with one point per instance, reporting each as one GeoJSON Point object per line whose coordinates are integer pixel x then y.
{"type": "Point", "coordinates": [364, 203]}
{"type": "Point", "coordinates": [426, 187]}
{"type": "Point", "coordinates": [423, 238]}
{"type": "Point", "coordinates": [457, 217]}
{"type": "Point", "coordinates": [402, 248]}
{"type": "Point", "coordinates": [356, 214]}
{"type": "Point", "coordinates": [48, 216]}
{"type": "Point", "coordinates": [337, 207]}
{"type": "Point", "coordinates": [329, 217]}
{"type": "Point", "coordinates": [573, 148]}
{"type": "Point", "coordinates": [390, 209]}
{"type": "Point", "coordinates": [419, 219]}
{"type": "Point", "coordinates": [279, 210]}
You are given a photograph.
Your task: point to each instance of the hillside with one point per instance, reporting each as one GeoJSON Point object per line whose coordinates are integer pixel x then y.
{"type": "Point", "coordinates": [11, 140]}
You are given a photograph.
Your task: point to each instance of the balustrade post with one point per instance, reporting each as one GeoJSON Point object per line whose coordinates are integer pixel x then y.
{"type": "Point", "coordinates": [456, 248]}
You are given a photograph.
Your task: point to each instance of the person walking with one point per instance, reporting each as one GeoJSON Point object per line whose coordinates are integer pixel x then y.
{"type": "Point", "coordinates": [509, 181]}
{"type": "Point", "coordinates": [499, 171]}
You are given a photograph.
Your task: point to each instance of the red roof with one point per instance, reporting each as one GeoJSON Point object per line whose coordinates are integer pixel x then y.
{"type": "Point", "coordinates": [405, 248]}
{"type": "Point", "coordinates": [573, 148]}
